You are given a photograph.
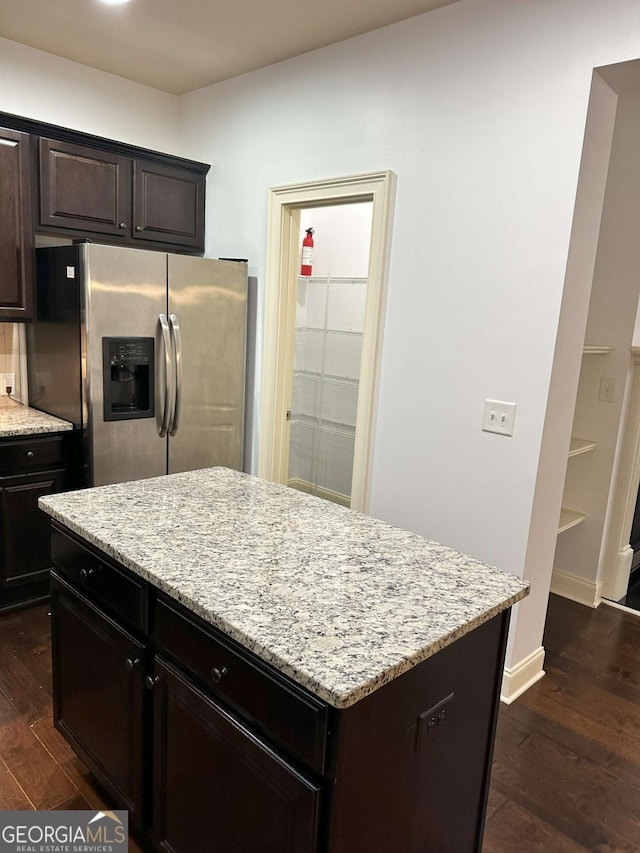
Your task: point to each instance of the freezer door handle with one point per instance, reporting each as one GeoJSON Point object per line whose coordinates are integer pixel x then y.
{"type": "Point", "coordinates": [177, 352]}
{"type": "Point", "coordinates": [169, 392]}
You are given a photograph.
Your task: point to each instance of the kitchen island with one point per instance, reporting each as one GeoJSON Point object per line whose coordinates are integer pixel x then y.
{"type": "Point", "coordinates": [245, 667]}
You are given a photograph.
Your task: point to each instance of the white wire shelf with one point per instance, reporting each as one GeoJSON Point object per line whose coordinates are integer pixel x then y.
{"type": "Point", "coordinates": [343, 381]}
{"type": "Point", "coordinates": [323, 426]}
{"type": "Point", "coordinates": [338, 279]}
{"type": "Point", "coordinates": [328, 331]}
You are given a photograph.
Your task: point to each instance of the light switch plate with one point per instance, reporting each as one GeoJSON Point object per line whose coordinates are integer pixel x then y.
{"type": "Point", "coordinates": [499, 417]}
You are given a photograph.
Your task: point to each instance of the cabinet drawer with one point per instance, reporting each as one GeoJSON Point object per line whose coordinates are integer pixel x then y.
{"type": "Point", "coordinates": [115, 590]}
{"type": "Point", "coordinates": [281, 710]}
{"type": "Point", "coordinates": [21, 457]}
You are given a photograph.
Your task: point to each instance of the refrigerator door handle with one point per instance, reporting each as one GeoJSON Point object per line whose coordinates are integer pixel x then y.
{"type": "Point", "coordinates": [169, 395]}
{"type": "Point", "coordinates": [177, 351]}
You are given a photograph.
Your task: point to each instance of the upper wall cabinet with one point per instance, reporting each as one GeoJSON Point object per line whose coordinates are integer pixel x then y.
{"type": "Point", "coordinates": [16, 248]}
{"type": "Point", "coordinates": [168, 204]}
{"type": "Point", "coordinates": [84, 190]}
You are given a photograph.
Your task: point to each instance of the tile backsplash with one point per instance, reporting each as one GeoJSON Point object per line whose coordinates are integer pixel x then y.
{"type": "Point", "coordinates": [13, 357]}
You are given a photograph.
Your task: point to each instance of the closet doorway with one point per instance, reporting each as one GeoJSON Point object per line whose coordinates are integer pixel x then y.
{"type": "Point", "coordinates": [329, 326]}
{"type": "Point", "coordinates": [322, 335]}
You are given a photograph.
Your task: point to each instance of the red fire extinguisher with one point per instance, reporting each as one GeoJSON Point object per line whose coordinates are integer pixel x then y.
{"type": "Point", "coordinates": [307, 253]}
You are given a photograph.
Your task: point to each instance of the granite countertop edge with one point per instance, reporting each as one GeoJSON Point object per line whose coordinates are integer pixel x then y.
{"type": "Point", "coordinates": [17, 420]}
{"type": "Point", "coordinates": [339, 699]}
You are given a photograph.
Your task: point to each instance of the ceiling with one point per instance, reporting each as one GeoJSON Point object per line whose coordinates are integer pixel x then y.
{"type": "Point", "coordinates": [180, 45]}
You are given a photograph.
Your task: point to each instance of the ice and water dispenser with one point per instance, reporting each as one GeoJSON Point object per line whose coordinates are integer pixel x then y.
{"type": "Point", "coordinates": [128, 376]}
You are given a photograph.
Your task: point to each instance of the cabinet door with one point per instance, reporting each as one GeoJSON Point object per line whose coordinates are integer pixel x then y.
{"type": "Point", "coordinates": [26, 537]}
{"type": "Point", "coordinates": [16, 247]}
{"type": "Point", "coordinates": [98, 678]}
{"type": "Point", "coordinates": [217, 787]}
{"type": "Point", "coordinates": [84, 189]}
{"type": "Point", "coordinates": [168, 205]}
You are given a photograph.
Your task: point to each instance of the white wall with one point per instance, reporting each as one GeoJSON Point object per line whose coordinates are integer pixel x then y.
{"type": "Point", "coordinates": [480, 109]}
{"type": "Point", "coordinates": [41, 86]}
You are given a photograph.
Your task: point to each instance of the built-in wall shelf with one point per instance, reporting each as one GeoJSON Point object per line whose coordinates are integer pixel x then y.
{"type": "Point", "coordinates": [595, 350]}
{"type": "Point", "coordinates": [569, 518]}
{"type": "Point", "coordinates": [581, 445]}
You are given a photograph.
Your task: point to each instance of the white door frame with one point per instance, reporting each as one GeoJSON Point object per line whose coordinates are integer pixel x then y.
{"type": "Point", "coordinates": [618, 553]}
{"type": "Point", "coordinates": [285, 203]}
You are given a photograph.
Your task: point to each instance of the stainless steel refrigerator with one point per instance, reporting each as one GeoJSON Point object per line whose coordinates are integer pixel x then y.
{"type": "Point", "coordinates": [144, 352]}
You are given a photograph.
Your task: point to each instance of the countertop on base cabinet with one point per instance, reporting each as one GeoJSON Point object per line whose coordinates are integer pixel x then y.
{"type": "Point", "coordinates": [296, 670]}
{"type": "Point", "coordinates": [33, 463]}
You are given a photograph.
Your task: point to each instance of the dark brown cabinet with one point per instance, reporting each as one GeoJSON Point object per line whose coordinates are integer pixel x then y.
{"type": "Point", "coordinates": [101, 193]}
{"type": "Point", "coordinates": [16, 244]}
{"type": "Point", "coordinates": [29, 469]}
{"type": "Point", "coordinates": [58, 181]}
{"type": "Point", "coordinates": [168, 205]}
{"type": "Point", "coordinates": [234, 756]}
{"type": "Point", "coordinates": [216, 780]}
{"type": "Point", "coordinates": [98, 669]}
{"type": "Point", "coordinates": [84, 189]}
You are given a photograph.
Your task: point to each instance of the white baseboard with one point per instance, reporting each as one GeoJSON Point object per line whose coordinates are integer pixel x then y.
{"type": "Point", "coordinates": [576, 588]}
{"type": "Point", "coordinates": [516, 679]}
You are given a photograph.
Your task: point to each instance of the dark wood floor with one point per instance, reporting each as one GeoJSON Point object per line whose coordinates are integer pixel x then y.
{"type": "Point", "coordinates": [566, 773]}
{"type": "Point", "coordinates": [38, 770]}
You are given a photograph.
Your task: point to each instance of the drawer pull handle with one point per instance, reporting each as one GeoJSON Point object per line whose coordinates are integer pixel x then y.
{"type": "Point", "coordinates": [218, 674]}
{"type": "Point", "coordinates": [30, 454]}
{"type": "Point", "coordinates": [86, 573]}
{"type": "Point", "coordinates": [131, 663]}
{"type": "Point", "coordinates": [151, 681]}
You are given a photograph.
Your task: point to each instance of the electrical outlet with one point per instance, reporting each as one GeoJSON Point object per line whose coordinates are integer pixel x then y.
{"type": "Point", "coordinates": [8, 380]}
{"type": "Point", "coordinates": [607, 391]}
{"type": "Point", "coordinates": [499, 417]}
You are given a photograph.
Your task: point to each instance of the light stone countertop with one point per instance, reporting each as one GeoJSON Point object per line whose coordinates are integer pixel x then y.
{"type": "Point", "coordinates": [339, 601]}
{"type": "Point", "coordinates": [17, 420]}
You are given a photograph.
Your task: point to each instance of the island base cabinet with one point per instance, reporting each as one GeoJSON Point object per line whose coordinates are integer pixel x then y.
{"type": "Point", "coordinates": [413, 758]}
{"type": "Point", "coordinates": [99, 691]}
{"type": "Point", "coordinates": [217, 786]}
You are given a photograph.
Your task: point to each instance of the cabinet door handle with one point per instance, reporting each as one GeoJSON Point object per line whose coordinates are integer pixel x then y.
{"type": "Point", "coordinates": [218, 674]}
{"type": "Point", "coordinates": [122, 224]}
{"type": "Point", "coordinates": [30, 454]}
{"type": "Point", "coordinates": [86, 573]}
{"type": "Point", "coordinates": [151, 681]}
{"type": "Point", "coordinates": [131, 663]}
{"type": "Point", "coordinates": [138, 227]}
